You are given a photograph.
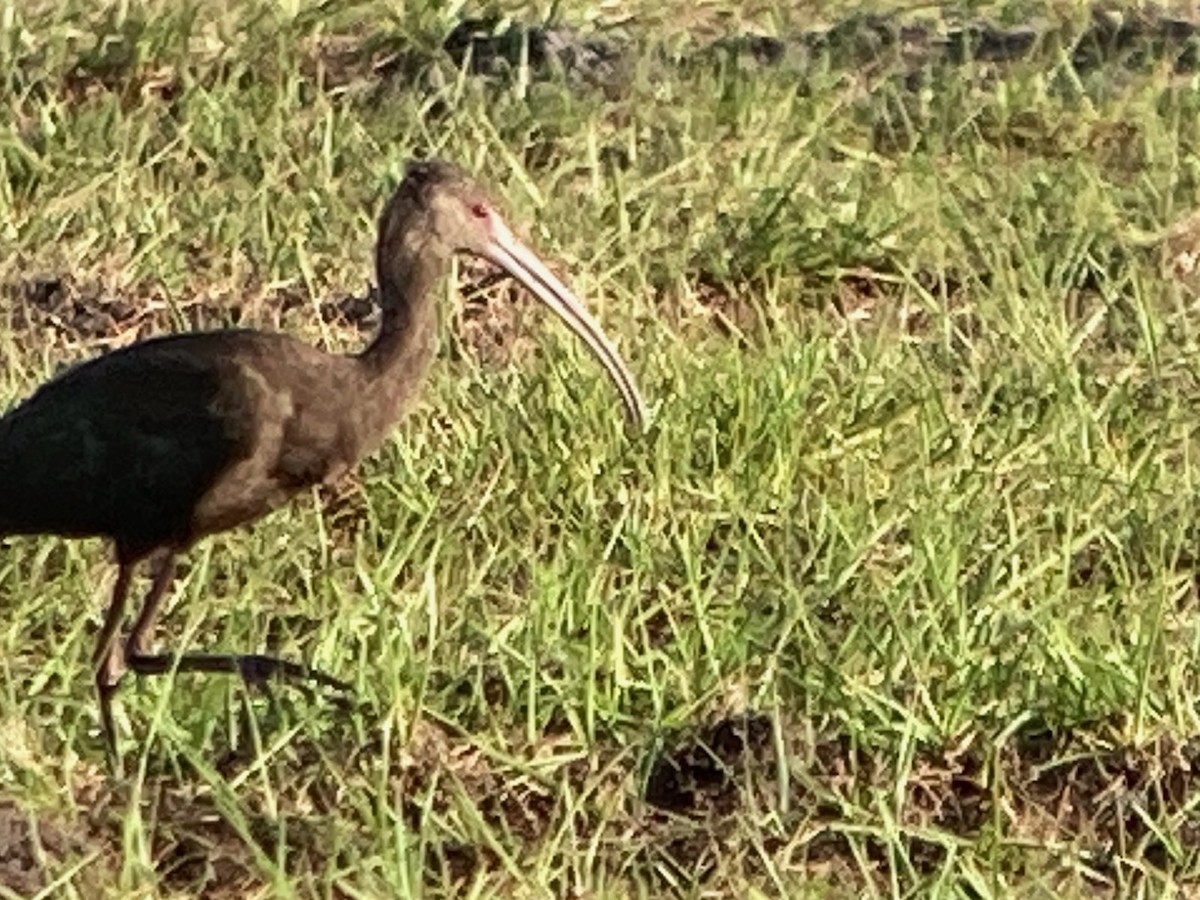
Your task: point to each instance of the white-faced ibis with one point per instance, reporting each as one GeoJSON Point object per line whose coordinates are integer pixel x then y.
{"type": "Point", "coordinates": [156, 445]}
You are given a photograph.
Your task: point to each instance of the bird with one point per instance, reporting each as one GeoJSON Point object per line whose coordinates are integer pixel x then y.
{"type": "Point", "coordinates": [159, 444]}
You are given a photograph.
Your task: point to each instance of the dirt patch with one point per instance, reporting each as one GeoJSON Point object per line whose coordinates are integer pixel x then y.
{"type": "Point", "coordinates": [340, 62]}
{"type": "Point", "coordinates": [869, 298]}
{"type": "Point", "coordinates": [355, 61]}
{"type": "Point", "coordinates": [708, 792]}
{"type": "Point", "coordinates": [199, 850]}
{"type": "Point", "coordinates": [488, 46]}
{"type": "Point", "coordinates": [1112, 801]}
{"type": "Point", "coordinates": [1179, 250]}
{"type": "Point", "coordinates": [702, 774]}
{"type": "Point", "coordinates": [455, 770]}
{"type": "Point", "coordinates": [77, 312]}
{"type": "Point", "coordinates": [729, 308]}
{"type": "Point", "coordinates": [865, 43]}
{"type": "Point", "coordinates": [708, 806]}
{"type": "Point", "coordinates": [353, 312]}
{"type": "Point", "coordinates": [86, 317]}
{"type": "Point", "coordinates": [492, 323]}
{"type": "Point", "coordinates": [36, 848]}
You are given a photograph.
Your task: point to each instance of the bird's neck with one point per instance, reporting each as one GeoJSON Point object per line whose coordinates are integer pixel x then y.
{"type": "Point", "coordinates": [393, 365]}
{"type": "Point", "coordinates": [405, 343]}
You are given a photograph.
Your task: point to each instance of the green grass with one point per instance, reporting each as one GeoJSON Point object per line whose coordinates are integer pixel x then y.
{"type": "Point", "coordinates": [919, 488]}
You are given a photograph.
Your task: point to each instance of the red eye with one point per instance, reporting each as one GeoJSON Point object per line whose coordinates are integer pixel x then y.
{"type": "Point", "coordinates": [480, 210]}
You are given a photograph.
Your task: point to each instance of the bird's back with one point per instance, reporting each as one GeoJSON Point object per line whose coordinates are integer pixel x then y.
{"type": "Point", "coordinates": [177, 437]}
{"type": "Point", "coordinates": [120, 446]}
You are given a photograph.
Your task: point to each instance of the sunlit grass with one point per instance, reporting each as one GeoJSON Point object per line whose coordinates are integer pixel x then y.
{"type": "Point", "coordinates": [920, 474]}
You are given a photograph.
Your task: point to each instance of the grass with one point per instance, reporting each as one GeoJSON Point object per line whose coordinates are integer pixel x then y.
{"type": "Point", "coordinates": [897, 597]}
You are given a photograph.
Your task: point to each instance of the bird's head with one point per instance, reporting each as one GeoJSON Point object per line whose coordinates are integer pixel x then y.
{"type": "Point", "coordinates": [456, 214]}
{"type": "Point", "coordinates": [438, 209]}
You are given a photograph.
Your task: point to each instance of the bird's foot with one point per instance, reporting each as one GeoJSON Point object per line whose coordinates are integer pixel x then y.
{"type": "Point", "coordinates": [256, 669]}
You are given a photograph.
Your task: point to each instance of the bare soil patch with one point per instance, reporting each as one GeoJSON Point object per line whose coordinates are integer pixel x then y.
{"type": "Point", "coordinates": [711, 805]}
{"type": "Point", "coordinates": [869, 44]}
{"type": "Point", "coordinates": [36, 848]}
{"type": "Point", "coordinates": [1116, 806]}
{"type": "Point", "coordinates": [85, 317]}
{"type": "Point", "coordinates": [355, 61]}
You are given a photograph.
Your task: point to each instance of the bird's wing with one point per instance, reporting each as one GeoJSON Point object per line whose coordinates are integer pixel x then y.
{"type": "Point", "coordinates": [121, 446]}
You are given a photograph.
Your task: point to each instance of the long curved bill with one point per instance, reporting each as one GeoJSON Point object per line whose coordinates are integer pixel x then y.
{"type": "Point", "coordinates": [522, 263]}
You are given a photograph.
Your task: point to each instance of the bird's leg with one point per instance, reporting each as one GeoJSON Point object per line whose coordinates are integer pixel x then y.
{"type": "Point", "coordinates": [109, 661]}
{"type": "Point", "coordinates": [254, 668]}
{"type": "Point", "coordinates": [142, 636]}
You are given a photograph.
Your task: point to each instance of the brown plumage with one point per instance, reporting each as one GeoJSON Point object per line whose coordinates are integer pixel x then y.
{"type": "Point", "coordinates": [159, 444]}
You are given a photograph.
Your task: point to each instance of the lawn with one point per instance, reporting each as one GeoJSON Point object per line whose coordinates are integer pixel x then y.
{"type": "Point", "coordinates": [898, 595]}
